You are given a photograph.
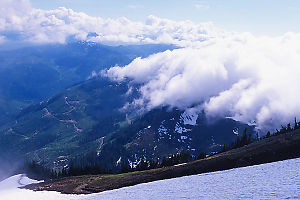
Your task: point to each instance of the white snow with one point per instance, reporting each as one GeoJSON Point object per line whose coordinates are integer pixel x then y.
{"type": "Point", "coordinates": [9, 190]}
{"type": "Point", "coordinates": [279, 180]}
{"type": "Point", "coordinates": [235, 131]}
{"type": "Point", "coordinates": [179, 129]}
{"type": "Point", "coordinates": [15, 182]}
{"type": "Point", "coordinates": [119, 161]}
{"type": "Point", "coordinates": [162, 130]}
{"type": "Point", "coordinates": [184, 137]}
{"type": "Point", "coordinates": [189, 117]}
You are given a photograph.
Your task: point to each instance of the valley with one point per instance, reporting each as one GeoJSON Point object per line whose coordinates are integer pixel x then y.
{"type": "Point", "coordinates": [130, 99]}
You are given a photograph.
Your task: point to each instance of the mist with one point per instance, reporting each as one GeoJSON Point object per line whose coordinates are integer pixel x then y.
{"type": "Point", "coordinates": [8, 167]}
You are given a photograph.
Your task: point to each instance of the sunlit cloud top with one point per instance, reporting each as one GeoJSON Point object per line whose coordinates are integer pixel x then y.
{"type": "Point", "coordinates": [19, 21]}
{"type": "Point", "coordinates": [251, 78]}
{"type": "Point", "coordinates": [263, 17]}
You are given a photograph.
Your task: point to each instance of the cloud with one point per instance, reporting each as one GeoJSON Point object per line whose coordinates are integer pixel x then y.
{"type": "Point", "coordinates": [201, 6]}
{"type": "Point", "coordinates": [20, 21]}
{"type": "Point", "coordinates": [11, 8]}
{"type": "Point", "coordinates": [248, 78]}
{"type": "Point", "coordinates": [226, 74]}
{"type": "Point", "coordinates": [133, 7]}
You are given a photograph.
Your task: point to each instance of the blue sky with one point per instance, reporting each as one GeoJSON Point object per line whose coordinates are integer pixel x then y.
{"type": "Point", "coordinates": [263, 17]}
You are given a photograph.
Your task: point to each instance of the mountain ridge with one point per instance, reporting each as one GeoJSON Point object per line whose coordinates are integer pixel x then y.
{"type": "Point", "coordinates": [275, 148]}
{"type": "Point", "coordinates": [32, 74]}
{"type": "Point", "coordinates": [88, 118]}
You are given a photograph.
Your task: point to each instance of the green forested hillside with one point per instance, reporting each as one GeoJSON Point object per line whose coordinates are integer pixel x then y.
{"type": "Point", "coordinates": [32, 74]}
{"type": "Point", "coordinates": [88, 119]}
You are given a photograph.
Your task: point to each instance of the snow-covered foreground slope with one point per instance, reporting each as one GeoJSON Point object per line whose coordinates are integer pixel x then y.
{"type": "Point", "coordinates": [15, 181]}
{"type": "Point", "coordinates": [279, 180]}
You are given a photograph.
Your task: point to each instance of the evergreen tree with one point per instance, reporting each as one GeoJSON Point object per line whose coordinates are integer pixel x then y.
{"type": "Point", "coordinates": [289, 128]}
{"type": "Point", "coordinates": [296, 125]}
{"type": "Point", "coordinates": [202, 154]}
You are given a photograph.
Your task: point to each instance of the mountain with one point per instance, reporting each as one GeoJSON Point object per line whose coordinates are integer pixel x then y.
{"type": "Point", "coordinates": [275, 148]}
{"type": "Point", "coordinates": [62, 125]}
{"type": "Point", "coordinates": [88, 118]}
{"type": "Point", "coordinates": [32, 74]}
{"type": "Point", "coordinates": [163, 132]}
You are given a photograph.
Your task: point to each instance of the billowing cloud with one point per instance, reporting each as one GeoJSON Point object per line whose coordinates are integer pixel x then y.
{"type": "Point", "coordinates": [251, 79]}
{"type": "Point", "coordinates": [19, 21]}
{"type": "Point", "coordinates": [238, 75]}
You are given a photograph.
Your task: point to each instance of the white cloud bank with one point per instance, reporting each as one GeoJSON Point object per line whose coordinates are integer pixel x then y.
{"type": "Point", "coordinates": [227, 74]}
{"type": "Point", "coordinates": [19, 21]}
{"type": "Point", "coordinates": [245, 77]}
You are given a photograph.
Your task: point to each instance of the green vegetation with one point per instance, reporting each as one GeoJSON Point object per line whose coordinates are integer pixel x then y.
{"type": "Point", "coordinates": [86, 119]}
{"type": "Point", "coordinates": [33, 74]}
{"type": "Point", "coordinates": [91, 164]}
{"type": "Point", "coordinates": [69, 124]}
{"type": "Point", "coordinates": [274, 148]}
{"type": "Point", "coordinates": [248, 138]}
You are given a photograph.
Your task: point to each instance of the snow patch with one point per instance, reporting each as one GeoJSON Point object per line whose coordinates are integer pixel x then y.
{"type": "Point", "coordinates": [15, 182]}
{"type": "Point", "coordinates": [278, 180]}
{"type": "Point", "coordinates": [119, 161]}
{"type": "Point", "coordinates": [179, 129]}
{"type": "Point", "coordinates": [189, 117]}
{"type": "Point", "coordinates": [184, 137]}
{"type": "Point", "coordinates": [162, 130]}
{"type": "Point", "coordinates": [235, 131]}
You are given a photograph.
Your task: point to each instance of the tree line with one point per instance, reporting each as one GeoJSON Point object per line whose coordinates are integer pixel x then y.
{"type": "Point", "coordinates": [246, 138]}
{"type": "Point", "coordinates": [90, 164]}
